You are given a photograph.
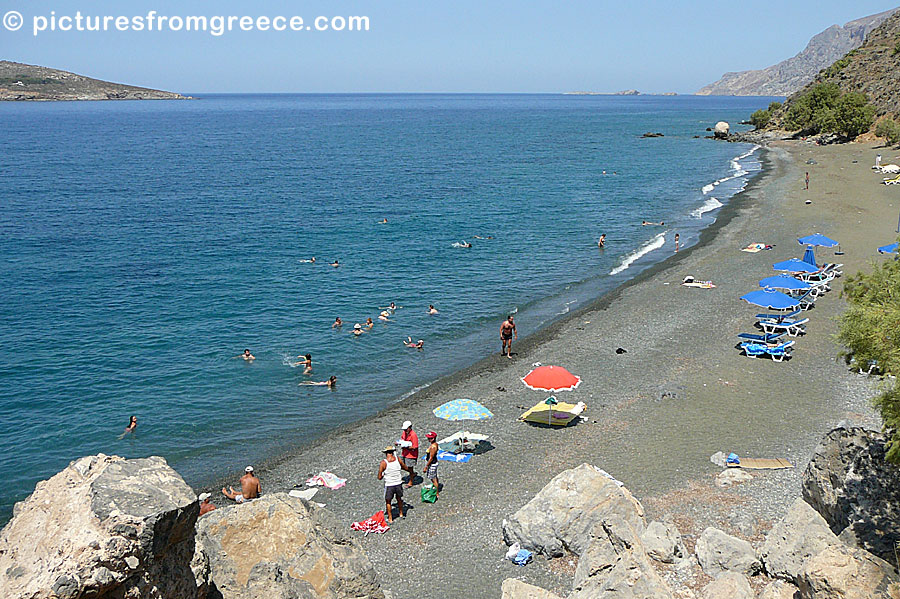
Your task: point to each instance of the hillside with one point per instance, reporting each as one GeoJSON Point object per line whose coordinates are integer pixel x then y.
{"type": "Point", "coordinates": [24, 82]}
{"type": "Point", "coordinates": [873, 69]}
{"type": "Point", "coordinates": [788, 76]}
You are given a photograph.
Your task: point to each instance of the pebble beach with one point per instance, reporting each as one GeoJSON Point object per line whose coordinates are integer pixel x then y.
{"type": "Point", "coordinates": [655, 414]}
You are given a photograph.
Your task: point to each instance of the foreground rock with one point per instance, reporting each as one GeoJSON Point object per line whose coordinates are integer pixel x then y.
{"type": "Point", "coordinates": [105, 527]}
{"type": "Point", "coordinates": [516, 589]}
{"type": "Point", "coordinates": [663, 542]}
{"type": "Point", "coordinates": [561, 516]}
{"type": "Point", "coordinates": [280, 547]}
{"type": "Point", "coordinates": [732, 476]}
{"type": "Point", "coordinates": [731, 585]}
{"type": "Point", "coordinates": [719, 552]}
{"type": "Point", "coordinates": [849, 482]}
{"type": "Point", "coordinates": [778, 589]}
{"type": "Point", "coordinates": [841, 572]}
{"type": "Point", "coordinates": [802, 534]}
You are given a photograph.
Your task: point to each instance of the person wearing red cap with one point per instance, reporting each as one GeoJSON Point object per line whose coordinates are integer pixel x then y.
{"type": "Point", "coordinates": [431, 464]}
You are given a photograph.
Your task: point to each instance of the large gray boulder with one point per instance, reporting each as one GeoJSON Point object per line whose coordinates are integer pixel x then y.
{"type": "Point", "coordinates": [719, 552]}
{"type": "Point", "coordinates": [105, 527]}
{"type": "Point", "coordinates": [615, 565]}
{"type": "Point", "coordinates": [560, 517]}
{"type": "Point", "coordinates": [851, 484]}
{"type": "Point", "coordinates": [778, 589]}
{"type": "Point", "coordinates": [840, 572]}
{"type": "Point", "coordinates": [663, 542]}
{"type": "Point", "coordinates": [280, 547]}
{"type": "Point", "coordinates": [720, 131]}
{"type": "Point", "coordinates": [516, 589]}
{"type": "Point", "coordinates": [801, 534]}
{"type": "Point", "coordinates": [730, 585]}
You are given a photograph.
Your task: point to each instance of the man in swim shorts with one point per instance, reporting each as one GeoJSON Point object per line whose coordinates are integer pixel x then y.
{"type": "Point", "coordinates": [431, 464]}
{"type": "Point", "coordinates": [507, 331]}
{"type": "Point", "coordinates": [250, 488]}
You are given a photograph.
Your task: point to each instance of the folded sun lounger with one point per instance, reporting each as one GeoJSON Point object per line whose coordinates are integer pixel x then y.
{"type": "Point", "coordinates": [776, 317]}
{"type": "Point", "coordinates": [754, 338]}
{"type": "Point", "coordinates": [791, 327]}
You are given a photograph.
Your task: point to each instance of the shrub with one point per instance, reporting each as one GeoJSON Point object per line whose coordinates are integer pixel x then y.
{"type": "Point", "coordinates": [870, 329]}
{"type": "Point", "coordinates": [760, 118]}
{"type": "Point", "coordinates": [853, 115]}
{"type": "Point", "coordinates": [896, 49]}
{"type": "Point", "coordinates": [806, 113]}
{"type": "Point", "coordinates": [774, 107]}
{"type": "Point", "coordinates": [823, 109]}
{"type": "Point", "coordinates": [889, 129]}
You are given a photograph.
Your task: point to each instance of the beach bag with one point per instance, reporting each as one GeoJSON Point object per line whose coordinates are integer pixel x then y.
{"type": "Point", "coordinates": [732, 460]}
{"type": "Point", "coordinates": [429, 494]}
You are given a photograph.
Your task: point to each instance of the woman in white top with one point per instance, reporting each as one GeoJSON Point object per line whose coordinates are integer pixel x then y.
{"type": "Point", "coordinates": [391, 472]}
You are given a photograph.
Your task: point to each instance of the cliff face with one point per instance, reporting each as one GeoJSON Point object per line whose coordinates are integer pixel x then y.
{"type": "Point", "coordinates": [788, 76]}
{"type": "Point", "coordinates": [29, 82]}
{"type": "Point", "coordinates": [873, 69]}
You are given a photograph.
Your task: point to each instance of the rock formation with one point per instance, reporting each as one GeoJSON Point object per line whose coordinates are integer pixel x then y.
{"type": "Point", "coordinates": [801, 534]}
{"type": "Point", "coordinates": [720, 131]}
{"type": "Point", "coordinates": [849, 482]}
{"type": "Point", "coordinates": [719, 552]}
{"type": "Point", "coordinates": [841, 572]}
{"type": "Point", "coordinates": [281, 547]}
{"type": "Point", "coordinates": [731, 585]}
{"type": "Point", "coordinates": [24, 82]}
{"type": "Point", "coordinates": [516, 589]}
{"type": "Point", "coordinates": [788, 76]}
{"type": "Point", "coordinates": [104, 527]}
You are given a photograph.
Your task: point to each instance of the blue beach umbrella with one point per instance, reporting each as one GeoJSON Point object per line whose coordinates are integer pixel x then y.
{"type": "Point", "coordinates": [888, 249]}
{"type": "Point", "coordinates": [809, 256]}
{"type": "Point", "coordinates": [769, 298]}
{"type": "Point", "coordinates": [818, 239]}
{"type": "Point", "coordinates": [462, 409]}
{"type": "Point", "coordinates": [794, 265]}
{"type": "Point", "coordinates": [784, 282]}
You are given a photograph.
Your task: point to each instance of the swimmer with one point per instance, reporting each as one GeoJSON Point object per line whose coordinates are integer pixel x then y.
{"type": "Point", "coordinates": [391, 308]}
{"type": "Point", "coordinates": [306, 362]}
{"type": "Point", "coordinates": [357, 329]}
{"type": "Point", "coordinates": [384, 316]}
{"type": "Point", "coordinates": [335, 263]}
{"type": "Point", "coordinates": [414, 344]}
{"type": "Point", "coordinates": [659, 224]}
{"type": "Point", "coordinates": [247, 356]}
{"type": "Point", "coordinates": [480, 237]}
{"type": "Point", "coordinates": [310, 261]}
{"type": "Point", "coordinates": [337, 323]}
{"type": "Point", "coordinates": [432, 309]}
{"type": "Point", "coordinates": [602, 242]}
{"type": "Point", "coordinates": [132, 424]}
{"type": "Point", "coordinates": [382, 221]}
{"type": "Point", "coordinates": [330, 383]}
{"type": "Point", "coordinates": [369, 323]}
{"type": "Point", "coordinates": [465, 244]}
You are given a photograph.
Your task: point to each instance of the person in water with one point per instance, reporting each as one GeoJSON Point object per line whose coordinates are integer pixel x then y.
{"type": "Point", "coordinates": [369, 323]}
{"type": "Point", "coordinates": [306, 362]}
{"type": "Point", "coordinates": [677, 241]}
{"type": "Point", "coordinates": [602, 242]}
{"type": "Point", "coordinates": [414, 344]}
{"type": "Point", "coordinates": [310, 261]}
{"type": "Point", "coordinates": [480, 237]}
{"type": "Point", "coordinates": [247, 356]}
{"type": "Point", "coordinates": [659, 224]}
{"type": "Point", "coordinates": [335, 263]}
{"type": "Point", "coordinates": [250, 488]}
{"type": "Point", "coordinates": [432, 309]}
{"type": "Point", "coordinates": [383, 221]}
{"type": "Point", "coordinates": [337, 323]}
{"type": "Point", "coordinates": [465, 244]}
{"type": "Point", "coordinates": [132, 424]}
{"type": "Point", "coordinates": [391, 308]}
{"type": "Point", "coordinates": [330, 383]}
{"type": "Point", "coordinates": [384, 316]}
{"type": "Point", "coordinates": [357, 329]}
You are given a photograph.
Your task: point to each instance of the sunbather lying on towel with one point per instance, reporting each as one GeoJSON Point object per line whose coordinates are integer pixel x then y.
{"type": "Point", "coordinates": [690, 282]}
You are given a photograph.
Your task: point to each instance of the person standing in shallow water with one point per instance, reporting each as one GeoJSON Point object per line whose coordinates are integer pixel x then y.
{"type": "Point", "coordinates": [602, 242]}
{"type": "Point", "coordinates": [677, 241]}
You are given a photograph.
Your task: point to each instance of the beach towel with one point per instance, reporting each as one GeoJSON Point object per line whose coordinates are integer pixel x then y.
{"type": "Point", "coordinates": [326, 479]}
{"type": "Point", "coordinates": [306, 494]}
{"type": "Point", "coordinates": [446, 456]}
{"type": "Point", "coordinates": [757, 247]}
{"type": "Point", "coordinates": [376, 524]}
{"type": "Point", "coordinates": [700, 284]}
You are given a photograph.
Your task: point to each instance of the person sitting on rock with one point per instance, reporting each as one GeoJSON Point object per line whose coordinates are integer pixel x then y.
{"type": "Point", "coordinates": [205, 505]}
{"type": "Point", "coordinates": [250, 488]}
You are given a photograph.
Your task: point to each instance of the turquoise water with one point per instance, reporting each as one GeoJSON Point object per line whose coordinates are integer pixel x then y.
{"type": "Point", "coordinates": [144, 244]}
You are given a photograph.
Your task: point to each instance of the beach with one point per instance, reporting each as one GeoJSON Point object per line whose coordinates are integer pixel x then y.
{"type": "Point", "coordinates": [654, 414]}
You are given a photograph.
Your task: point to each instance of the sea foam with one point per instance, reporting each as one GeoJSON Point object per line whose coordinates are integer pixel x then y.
{"type": "Point", "coordinates": [654, 244]}
{"type": "Point", "coordinates": [711, 203]}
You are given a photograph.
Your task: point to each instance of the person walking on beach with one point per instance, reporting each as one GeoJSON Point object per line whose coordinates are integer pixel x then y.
{"type": "Point", "coordinates": [390, 472]}
{"type": "Point", "coordinates": [677, 241]}
{"type": "Point", "coordinates": [507, 332]}
{"type": "Point", "coordinates": [205, 505]}
{"type": "Point", "coordinates": [250, 488]}
{"type": "Point", "coordinates": [807, 181]}
{"type": "Point", "coordinates": [431, 464]}
{"type": "Point", "coordinates": [409, 449]}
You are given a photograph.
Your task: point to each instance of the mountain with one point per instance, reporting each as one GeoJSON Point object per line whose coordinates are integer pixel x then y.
{"type": "Point", "coordinates": [871, 69]}
{"type": "Point", "coordinates": [788, 76]}
{"type": "Point", "coordinates": [29, 82]}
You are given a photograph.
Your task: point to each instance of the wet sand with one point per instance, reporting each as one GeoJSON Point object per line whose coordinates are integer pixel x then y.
{"type": "Point", "coordinates": [656, 413]}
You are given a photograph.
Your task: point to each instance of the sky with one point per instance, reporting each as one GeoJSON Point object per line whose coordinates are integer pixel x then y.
{"type": "Point", "coordinates": [431, 46]}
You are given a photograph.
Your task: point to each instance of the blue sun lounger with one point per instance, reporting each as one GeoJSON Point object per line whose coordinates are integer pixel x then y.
{"type": "Point", "coordinates": [765, 316]}
{"type": "Point", "coordinates": [776, 352]}
{"type": "Point", "coordinates": [754, 338]}
{"type": "Point", "coordinates": [791, 327]}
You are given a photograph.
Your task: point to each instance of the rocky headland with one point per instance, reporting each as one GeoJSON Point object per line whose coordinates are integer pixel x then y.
{"type": "Point", "coordinates": [25, 82]}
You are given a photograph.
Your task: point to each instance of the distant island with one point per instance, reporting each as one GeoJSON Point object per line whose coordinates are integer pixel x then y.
{"type": "Point", "coordinates": [627, 92]}
{"type": "Point", "coordinates": [25, 82]}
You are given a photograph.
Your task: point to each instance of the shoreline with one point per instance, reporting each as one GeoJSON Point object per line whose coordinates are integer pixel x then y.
{"type": "Point", "coordinates": [545, 334]}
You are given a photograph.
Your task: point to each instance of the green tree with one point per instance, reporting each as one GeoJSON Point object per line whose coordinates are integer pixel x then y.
{"type": "Point", "coordinates": [807, 111]}
{"type": "Point", "coordinates": [760, 118]}
{"type": "Point", "coordinates": [853, 115]}
{"type": "Point", "coordinates": [774, 107]}
{"type": "Point", "coordinates": [870, 329]}
{"type": "Point", "coordinates": [889, 129]}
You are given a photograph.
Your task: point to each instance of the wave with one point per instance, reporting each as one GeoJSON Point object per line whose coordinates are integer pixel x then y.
{"type": "Point", "coordinates": [737, 168]}
{"type": "Point", "coordinates": [710, 204]}
{"type": "Point", "coordinates": [654, 244]}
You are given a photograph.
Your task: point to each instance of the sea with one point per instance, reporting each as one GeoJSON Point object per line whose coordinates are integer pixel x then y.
{"type": "Point", "coordinates": [145, 244]}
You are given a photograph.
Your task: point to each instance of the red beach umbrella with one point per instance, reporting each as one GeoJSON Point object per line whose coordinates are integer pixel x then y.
{"type": "Point", "coordinates": [551, 378]}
